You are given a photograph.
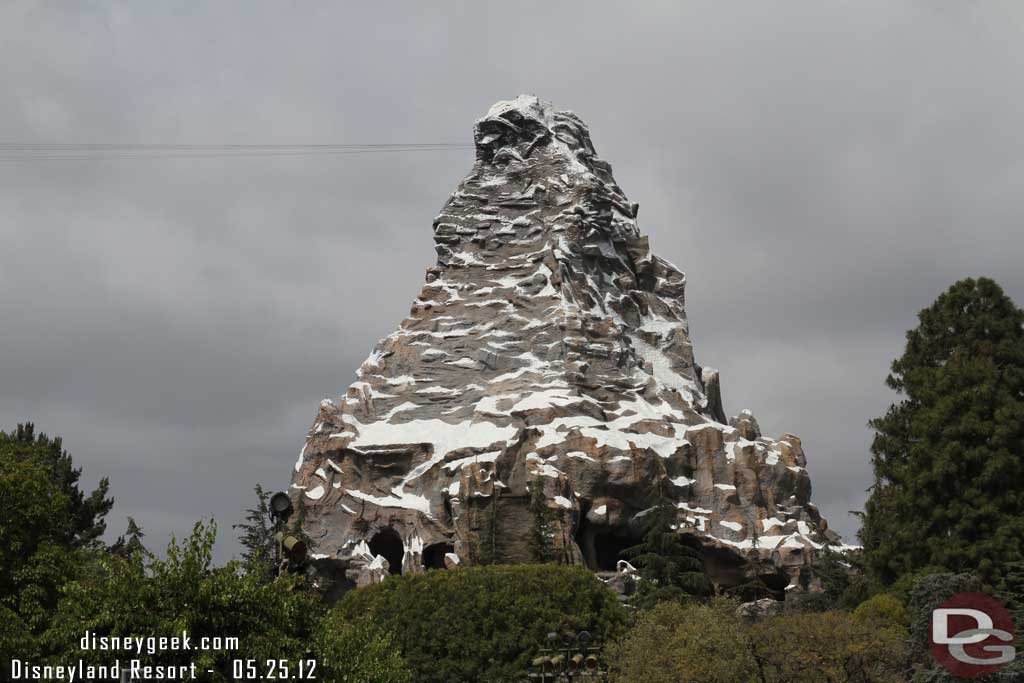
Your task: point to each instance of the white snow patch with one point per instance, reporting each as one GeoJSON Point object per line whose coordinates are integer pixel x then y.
{"type": "Point", "coordinates": [398, 499]}
{"type": "Point", "coordinates": [436, 390]}
{"type": "Point", "coordinates": [580, 455]}
{"type": "Point", "coordinates": [489, 456]}
{"type": "Point", "coordinates": [464, 362]}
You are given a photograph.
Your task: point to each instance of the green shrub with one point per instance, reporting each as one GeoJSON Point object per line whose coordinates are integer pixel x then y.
{"type": "Point", "coordinates": [927, 593]}
{"type": "Point", "coordinates": [692, 643]}
{"type": "Point", "coordinates": [116, 596]}
{"type": "Point", "coordinates": [883, 611]}
{"type": "Point", "coordinates": [807, 603]}
{"type": "Point", "coordinates": [482, 624]}
{"type": "Point", "coordinates": [356, 652]}
{"type": "Point", "coordinates": [709, 644]}
{"type": "Point", "coordinates": [827, 647]}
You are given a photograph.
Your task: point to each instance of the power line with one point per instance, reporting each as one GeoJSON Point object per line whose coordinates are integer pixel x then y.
{"type": "Point", "coordinates": [22, 152]}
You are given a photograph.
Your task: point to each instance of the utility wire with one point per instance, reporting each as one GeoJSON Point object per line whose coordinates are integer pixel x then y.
{"type": "Point", "coordinates": [22, 152]}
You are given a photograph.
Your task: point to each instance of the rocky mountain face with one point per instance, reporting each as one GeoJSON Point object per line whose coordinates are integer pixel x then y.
{"type": "Point", "coordinates": [548, 345]}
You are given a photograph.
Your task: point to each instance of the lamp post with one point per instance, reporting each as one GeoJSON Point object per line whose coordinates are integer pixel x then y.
{"type": "Point", "coordinates": [568, 657]}
{"type": "Point", "coordinates": [292, 549]}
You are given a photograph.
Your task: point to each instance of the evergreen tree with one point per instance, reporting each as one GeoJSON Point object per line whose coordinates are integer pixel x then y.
{"type": "Point", "coordinates": [85, 524]}
{"type": "Point", "coordinates": [669, 569]}
{"type": "Point", "coordinates": [130, 543]}
{"type": "Point", "coordinates": [949, 456]}
{"type": "Point", "coordinates": [541, 547]}
{"type": "Point", "coordinates": [257, 537]}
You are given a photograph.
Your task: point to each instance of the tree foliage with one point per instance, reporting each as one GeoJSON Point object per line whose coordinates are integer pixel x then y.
{"type": "Point", "coordinates": [692, 643]}
{"type": "Point", "coordinates": [84, 523]}
{"type": "Point", "coordinates": [480, 624]}
{"type": "Point", "coordinates": [128, 596]}
{"type": "Point", "coordinates": [884, 611]}
{"type": "Point", "coordinates": [130, 543]}
{"type": "Point", "coordinates": [542, 548]}
{"type": "Point", "coordinates": [669, 568]}
{"type": "Point", "coordinates": [257, 537]}
{"type": "Point", "coordinates": [949, 456]}
{"type": "Point", "coordinates": [1010, 590]}
{"type": "Point", "coordinates": [357, 651]}
{"type": "Point", "coordinates": [37, 555]}
{"type": "Point", "coordinates": [708, 643]}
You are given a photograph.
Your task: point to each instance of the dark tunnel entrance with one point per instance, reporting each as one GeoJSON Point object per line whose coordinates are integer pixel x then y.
{"type": "Point", "coordinates": [388, 543]}
{"type": "Point", "coordinates": [433, 555]}
{"type": "Point", "coordinates": [609, 548]}
{"type": "Point", "coordinates": [603, 547]}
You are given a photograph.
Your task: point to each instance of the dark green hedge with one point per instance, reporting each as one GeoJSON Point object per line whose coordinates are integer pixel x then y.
{"type": "Point", "coordinates": [484, 624]}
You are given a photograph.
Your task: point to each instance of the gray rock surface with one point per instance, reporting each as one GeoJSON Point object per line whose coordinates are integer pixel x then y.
{"type": "Point", "coordinates": [548, 343]}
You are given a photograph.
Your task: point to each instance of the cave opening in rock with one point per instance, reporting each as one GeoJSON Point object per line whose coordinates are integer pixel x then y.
{"type": "Point", "coordinates": [433, 555]}
{"type": "Point", "coordinates": [603, 546]}
{"type": "Point", "coordinates": [388, 543]}
{"type": "Point", "coordinates": [609, 548]}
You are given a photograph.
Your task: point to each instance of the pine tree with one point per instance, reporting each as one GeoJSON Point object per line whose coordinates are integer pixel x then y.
{"type": "Point", "coordinates": [86, 524]}
{"type": "Point", "coordinates": [257, 537]}
{"type": "Point", "coordinates": [130, 544]}
{"type": "Point", "coordinates": [669, 569]}
{"type": "Point", "coordinates": [949, 456]}
{"type": "Point", "coordinates": [541, 547]}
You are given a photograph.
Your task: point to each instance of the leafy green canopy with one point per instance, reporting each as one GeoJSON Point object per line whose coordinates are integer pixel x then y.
{"type": "Point", "coordinates": [185, 592]}
{"type": "Point", "coordinates": [48, 530]}
{"type": "Point", "coordinates": [34, 556]}
{"type": "Point", "coordinates": [483, 624]}
{"type": "Point", "coordinates": [949, 456]}
{"type": "Point", "coordinates": [84, 521]}
{"type": "Point", "coordinates": [710, 643]}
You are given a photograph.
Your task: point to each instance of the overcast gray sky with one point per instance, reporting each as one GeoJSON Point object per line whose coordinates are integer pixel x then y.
{"type": "Point", "coordinates": [820, 170]}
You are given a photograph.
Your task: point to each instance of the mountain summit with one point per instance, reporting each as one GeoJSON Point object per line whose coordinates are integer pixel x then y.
{"type": "Point", "coordinates": [548, 345]}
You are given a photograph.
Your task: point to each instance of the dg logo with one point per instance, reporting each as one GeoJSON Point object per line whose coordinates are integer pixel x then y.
{"type": "Point", "coordinates": [972, 635]}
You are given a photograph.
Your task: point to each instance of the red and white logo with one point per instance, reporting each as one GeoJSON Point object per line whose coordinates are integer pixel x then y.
{"type": "Point", "coordinates": [972, 635]}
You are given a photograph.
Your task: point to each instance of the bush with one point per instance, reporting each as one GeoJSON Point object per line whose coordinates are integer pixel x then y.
{"type": "Point", "coordinates": [709, 644]}
{"type": "Point", "coordinates": [827, 647]}
{"type": "Point", "coordinates": [484, 624]}
{"type": "Point", "coordinates": [883, 611]}
{"type": "Point", "coordinates": [806, 603]}
{"type": "Point", "coordinates": [927, 593]}
{"type": "Point", "coordinates": [116, 596]}
{"type": "Point", "coordinates": [356, 653]}
{"type": "Point", "coordinates": [676, 643]}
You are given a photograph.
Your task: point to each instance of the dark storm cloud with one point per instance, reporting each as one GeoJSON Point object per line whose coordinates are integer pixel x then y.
{"type": "Point", "coordinates": [821, 171]}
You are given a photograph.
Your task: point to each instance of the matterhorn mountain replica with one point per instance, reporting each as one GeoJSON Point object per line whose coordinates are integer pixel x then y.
{"type": "Point", "coordinates": [548, 349]}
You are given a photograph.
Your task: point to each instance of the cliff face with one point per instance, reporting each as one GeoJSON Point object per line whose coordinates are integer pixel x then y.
{"type": "Point", "coordinates": [547, 344]}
